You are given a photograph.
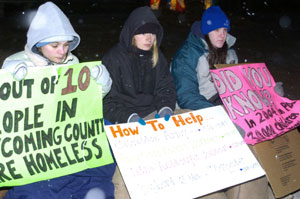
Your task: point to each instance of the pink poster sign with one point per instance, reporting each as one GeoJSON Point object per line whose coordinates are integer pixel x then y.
{"type": "Point", "coordinates": [248, 94]}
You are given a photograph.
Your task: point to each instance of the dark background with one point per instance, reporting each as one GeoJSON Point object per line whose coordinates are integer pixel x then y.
{"type": "Point", "coordinates": [266, 31]}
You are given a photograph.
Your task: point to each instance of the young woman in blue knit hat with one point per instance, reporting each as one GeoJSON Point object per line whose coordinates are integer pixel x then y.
{"type": "Point", "coordinates": [207, 44]}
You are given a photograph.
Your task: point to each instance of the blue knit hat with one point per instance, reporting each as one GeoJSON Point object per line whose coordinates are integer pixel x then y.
{"type": "Point", "coordinates": [214, 18]}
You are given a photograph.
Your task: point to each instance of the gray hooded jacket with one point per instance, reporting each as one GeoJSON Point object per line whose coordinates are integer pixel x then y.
{"type": "Point", "coordinates": [49, 21]}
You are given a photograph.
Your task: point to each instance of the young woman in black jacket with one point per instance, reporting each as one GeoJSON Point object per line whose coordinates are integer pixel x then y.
{"type": "Point", "coordinates": [142, 82]}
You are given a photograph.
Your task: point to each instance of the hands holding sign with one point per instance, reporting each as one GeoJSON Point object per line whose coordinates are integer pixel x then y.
{"type": "Point", "coordinates": [50, 144]}
{"type": "Point", "coordinates": [279, 89]}
{"type": "Point", "coordinates": [102, 77]}
{"type": "Point", "coordinates": [164, 112]}
{"type": "Point", "coordinates": [17, 68]}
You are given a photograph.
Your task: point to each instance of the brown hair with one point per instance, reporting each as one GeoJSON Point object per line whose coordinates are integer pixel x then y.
{"type": "Point", "coordinates": [216, 55]}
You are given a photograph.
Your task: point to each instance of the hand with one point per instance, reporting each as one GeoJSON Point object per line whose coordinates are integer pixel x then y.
{"type": "Point", "coordinates": [164, 112]}
{"type": "Point", "coordinates": [166, 117]}
{"type": "Point", "coordinates": [17, 68]}
{"type": "Point", "coordinates": [102, 77]}
{"type": "Point", "coordinates": [279, 89]}
{"type": "Point", "coordinates": [20, 73]}
{"type": "Point", "coordinates": [136, 118]}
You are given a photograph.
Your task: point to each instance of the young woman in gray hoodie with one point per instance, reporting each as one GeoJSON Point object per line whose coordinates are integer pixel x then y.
{"type": "Point", "coordinates": [50, 41]}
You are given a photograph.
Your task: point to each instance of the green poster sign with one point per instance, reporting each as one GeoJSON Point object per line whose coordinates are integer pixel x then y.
{"type": "Point", "coordinates": [51, 124]}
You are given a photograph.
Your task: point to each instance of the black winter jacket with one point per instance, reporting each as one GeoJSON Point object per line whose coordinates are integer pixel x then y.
{"type": "Point", "coordinates": [137, 86]}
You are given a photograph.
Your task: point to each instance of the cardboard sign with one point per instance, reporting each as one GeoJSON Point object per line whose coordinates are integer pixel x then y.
{"type": "Point", "coordinates": [51, 124]}
{"type": "Point", "coordinates": [191, 155]}
{"type": "Point", "coordinates": [247, 92]}
{"type": "Point", "coordinates": [280, 157]}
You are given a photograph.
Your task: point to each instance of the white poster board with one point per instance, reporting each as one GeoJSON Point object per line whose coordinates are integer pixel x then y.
{"type": "Point", "coordinates": [191, 155]}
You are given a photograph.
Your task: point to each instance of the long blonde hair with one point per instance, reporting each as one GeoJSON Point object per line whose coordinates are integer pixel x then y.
{"type": "Point", "coordinates": [154, 52]}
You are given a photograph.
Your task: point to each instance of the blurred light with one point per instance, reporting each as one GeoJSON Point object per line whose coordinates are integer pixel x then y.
{"type": "Point", "coordinates": [285, 21]}
{"type": "Point", "coordinates": [27, 17]}
{"type": "Point", "coordinates": [80, 21]}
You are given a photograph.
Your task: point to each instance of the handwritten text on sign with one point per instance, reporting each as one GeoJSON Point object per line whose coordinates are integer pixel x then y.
{"type": "Point", "coordinates": [247, 92]}
{"type": "Point", "coordinates": [50, 128]}
{"type": "Point", "coordinates": [190, 155]}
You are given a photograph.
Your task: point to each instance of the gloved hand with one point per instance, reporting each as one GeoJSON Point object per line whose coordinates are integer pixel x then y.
{"type": "Point", "coordinates": [279, 89]}
{"type": "Point", "coordinates": [102, 77]}
{"type": "Point", "coordinates": [17, 68]}
{"type": "Point", "coordinates": [164, 112]}
{"type": "Point", "coordinates": [136, 118]}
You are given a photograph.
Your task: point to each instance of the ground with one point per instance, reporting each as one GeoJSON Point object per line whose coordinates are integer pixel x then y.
{"type": "Point", "coordinates": [260, 38]}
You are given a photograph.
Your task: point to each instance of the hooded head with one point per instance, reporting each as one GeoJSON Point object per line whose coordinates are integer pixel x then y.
{"type": "Point", "coordinates": [141, 20]}
{"type": "Point", "coordinates": [212, 19]}
{"type": "Point", "coordinates": [148, 28]}
{"type": "Point", "coordinates": [50, 25]}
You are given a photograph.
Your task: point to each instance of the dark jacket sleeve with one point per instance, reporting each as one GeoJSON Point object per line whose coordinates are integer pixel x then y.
{"type": "Point", "coordinates": [114, 108]}
{"type": "Point", "coordinates": [185, 76]}
{"type": "Point", "coordinates": [165, 93]}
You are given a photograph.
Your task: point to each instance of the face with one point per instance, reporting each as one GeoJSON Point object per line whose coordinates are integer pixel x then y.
{"type": "Point", "coordinates": [218, 37]}
{"type": "Point", "coordinates": [55, 52]}
{"type": "Point", "coordinates": [144, 41]}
